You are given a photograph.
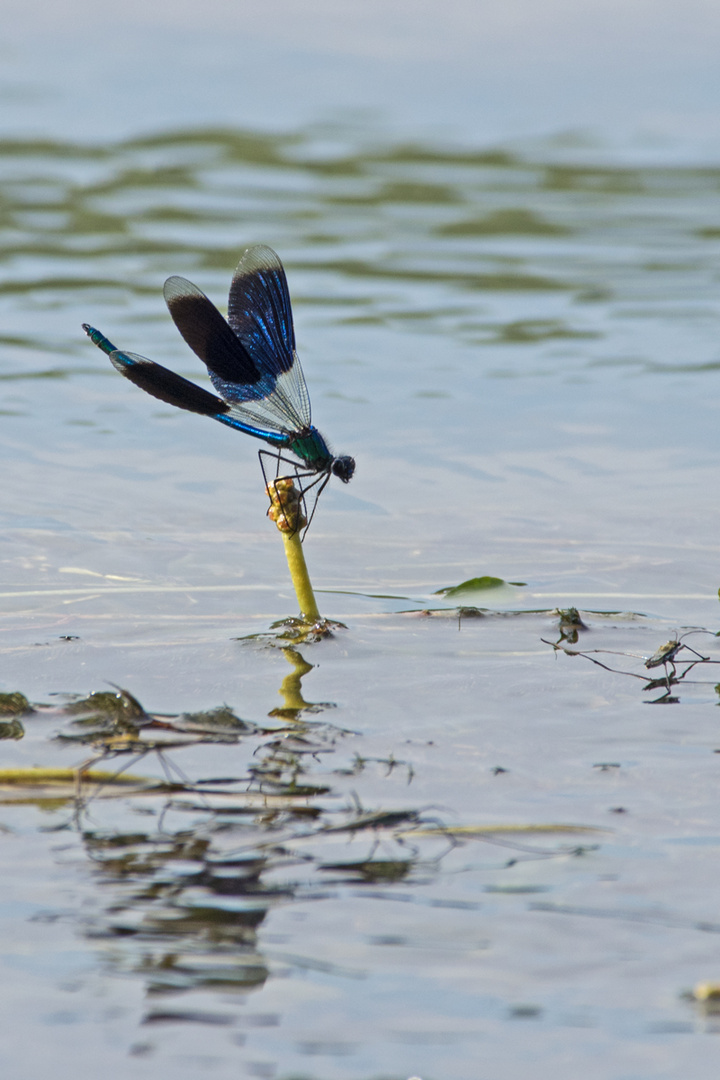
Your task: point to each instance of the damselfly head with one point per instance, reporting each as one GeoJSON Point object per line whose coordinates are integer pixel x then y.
{"type": "Point", "coordinates": [344, 467]}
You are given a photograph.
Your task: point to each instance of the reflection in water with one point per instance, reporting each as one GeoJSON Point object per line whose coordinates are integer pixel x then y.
{"type": "Point", "coordinates": [494, 316]}
{"type": "Point", "coordinates": [186, 904]}
{"type": "Point", "coordinates": [187, 914]}
{"type": "Point", "coordinates": [185, 899]}
{"type": "Point", "coordinates": [291, 688]}
{"type": "Point", "coordinates": [188, 901]}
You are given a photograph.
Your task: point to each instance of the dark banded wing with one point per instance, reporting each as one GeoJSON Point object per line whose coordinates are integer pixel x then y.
{"type": "Point", "coordinates": [252, 362]}
{"type": "Point", "coordinates": [166, 385]}
{"type": "Point", "coordinates": [209, 336]}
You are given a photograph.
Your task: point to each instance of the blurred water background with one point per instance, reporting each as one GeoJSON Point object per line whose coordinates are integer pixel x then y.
{"type": "Point", "coordinates": [501, 228]}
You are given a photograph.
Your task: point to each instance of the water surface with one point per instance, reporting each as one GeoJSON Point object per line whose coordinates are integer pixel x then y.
{"type": "Point", "coordinates": [518, 341]}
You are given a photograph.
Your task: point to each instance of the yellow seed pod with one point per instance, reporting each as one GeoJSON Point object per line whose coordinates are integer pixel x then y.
{"type": "Point", "coordinates": [285, 505]}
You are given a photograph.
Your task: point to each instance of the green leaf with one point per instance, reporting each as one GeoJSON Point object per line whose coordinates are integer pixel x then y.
{"type": "Point", "coordinates": [472, 585]}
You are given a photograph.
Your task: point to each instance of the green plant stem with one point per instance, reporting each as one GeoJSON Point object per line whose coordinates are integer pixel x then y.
{"type": "Point", "coordinates": [300, 577]}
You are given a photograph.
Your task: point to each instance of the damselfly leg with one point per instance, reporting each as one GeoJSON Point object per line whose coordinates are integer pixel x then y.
{"type": "Point", "coordinates": [270, 464]}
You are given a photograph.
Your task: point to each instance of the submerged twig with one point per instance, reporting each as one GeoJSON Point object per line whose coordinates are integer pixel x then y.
{"type": "Point", "coordinates": [666, 656]}
{"type": "Point", "coordinates": [577, 652]}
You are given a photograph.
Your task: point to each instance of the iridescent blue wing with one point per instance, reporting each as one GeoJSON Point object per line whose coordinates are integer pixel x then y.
{"type": "Point", "coordinates": [259, 309]}
{"type": "Point", "coordinates": [260, 313]}
{"type": "Point", "coordinates": [252, 365]}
